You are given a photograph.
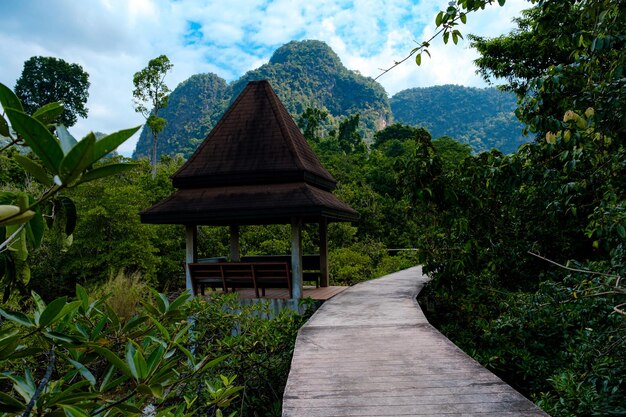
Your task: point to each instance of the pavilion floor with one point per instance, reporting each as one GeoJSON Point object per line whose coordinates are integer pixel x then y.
{"type": "Point", "coordinates": [321, 293]}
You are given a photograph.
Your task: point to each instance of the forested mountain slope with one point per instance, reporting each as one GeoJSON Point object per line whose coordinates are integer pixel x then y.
{"type": "Point", "coordinates": [193, 109]}
{"type": "Point", "coordinates": [483, 118]}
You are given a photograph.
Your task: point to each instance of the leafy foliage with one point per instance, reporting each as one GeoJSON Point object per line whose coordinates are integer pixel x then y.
{"type": "Point", "coordinates": [259, 349]}
{"type": "Point", "coordinates": [556, 332]}
{"type": "Point", "coordinates": [97, 363]}
{"type": "Point", "coordinates": [46, 80]}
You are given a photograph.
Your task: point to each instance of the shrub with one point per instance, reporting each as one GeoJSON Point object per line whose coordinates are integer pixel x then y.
{"type": "Point", "coordinates": [349, 266]}
{"type": "Point", "coordinates": [259, 349]}
{"type": "Point", "coordinates": [124, 293]}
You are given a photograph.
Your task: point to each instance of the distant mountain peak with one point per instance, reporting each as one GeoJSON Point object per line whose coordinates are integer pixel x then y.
{"type": "Point", "coordinates": [301, 51]}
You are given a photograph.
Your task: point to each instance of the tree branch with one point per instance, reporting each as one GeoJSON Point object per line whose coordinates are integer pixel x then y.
{"type": "Point", "coordinates": [584, 271]}
{"type": "Point", "coordinates": [413, 52]}
{"type": "Point", "coordinates": [42, 384]}
{"type": "Point", "coordinates": [13, 142]}
{"type": "Point", "coordinates": [13, 236]}
{"type": "Point", "coordinates": [130, 395]}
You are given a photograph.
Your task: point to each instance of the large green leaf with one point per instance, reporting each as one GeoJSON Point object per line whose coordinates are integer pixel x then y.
{"type": "Point", "coordinates": [34, 169]}
{"type": "Point", "coordinates": [113, 359]}
{"type": "Point", "coordinates": [128, 409]}
{"type": "Point", "coordinates": [7, 334]}
{"type": "Point", "coordinates": [140, 364]}
{"type": "Point", "coordinates": [8, 99]}
{"type": "Point", "coordinates": [9, 404]}
{"type": "Point", "coordinates": [9, 342]}
{"type": "Point", "coordinates": [24, 386]}
{"type": "Point", "coordinates": [35, 229]}
{"type": "Point", "coordinates": [84, 372]}
{"type": "Point", "coordinates": [130, 360]}
{"type": "Point", "coordinates": [39, 302]}
{"type": "Point", "coordinates": [181, 300]}
{"type": "Point", "coordinates": [110, 142]}
{"type": "Point", "coordinates": [52, 311]}
{"type": "Point", "coordinates": [61, 337]}
{"type": "Point", "coordinates": [162, 302]}
{"type": "Point", "coordinates": [48, 113]}
{"type": "Point", "coordinates": [81, 294]}
{"type": "Point", "coordinates": [105, 171]}
{"type": "Point", "coordinates": [67, 140]}
{"type": "Point", "coordinates": [4, 127]}
{"type": "Point", "coordinates": [17, 317]}
{"type": "Point", "coordinates": [155, 358]}
{"type": "Point", "coordinates": [38, 138]}
{"type": "Point", "coordinates": [72, 411]}
{"type": "Point", "coordinates": [77, 159]}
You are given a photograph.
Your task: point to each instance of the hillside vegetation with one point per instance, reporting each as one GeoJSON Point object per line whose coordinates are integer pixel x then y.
{"type": "Point", "coordinates": [483, 118]}
{"type": "Point", "coordinates": [309, 75]}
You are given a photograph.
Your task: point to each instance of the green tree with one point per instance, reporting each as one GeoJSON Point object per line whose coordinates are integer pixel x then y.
{"type": "Point", "coordinates": [451, 152]}
{"type": "Point", "coordinates": [57, 163]}
{"type": "Point", "coordinates": [348, 137]}
{"type": "Point", "coordinates": [46, 80]}
{"type": "Point", "coordinates": [150, 95]}
{"type": "Point", "coordinates": [310, 122]}
{"type": "Point", "coordinates": [401, 133]}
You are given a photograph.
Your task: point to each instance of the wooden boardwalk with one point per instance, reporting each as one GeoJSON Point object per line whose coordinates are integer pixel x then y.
{"type": "Point", "coordinates": [371, 352]}
{"type": "Point", "coordinates": [321, 293]}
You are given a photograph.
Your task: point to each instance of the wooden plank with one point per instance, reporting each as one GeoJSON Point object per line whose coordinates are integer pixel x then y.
{"type": "Point", "coordinates": [369, 351]}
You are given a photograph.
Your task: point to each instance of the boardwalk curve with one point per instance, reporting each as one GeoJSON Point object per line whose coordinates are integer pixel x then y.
{"type": "Point", "coordinates": [370, 351]}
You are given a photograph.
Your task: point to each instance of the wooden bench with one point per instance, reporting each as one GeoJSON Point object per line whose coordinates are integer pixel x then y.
{"type": "Point", "coordinates": [257, 275]}
{"type": "Point", "coordinates": [310, 265]}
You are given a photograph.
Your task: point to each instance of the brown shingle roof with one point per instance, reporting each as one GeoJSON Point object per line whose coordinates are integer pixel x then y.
{"type": "Point", "coordinates": [255, 167]}
{"type": "Point", "coordinates": [256, 141]}
{"type": "Point", "coordinates": [248, 204]}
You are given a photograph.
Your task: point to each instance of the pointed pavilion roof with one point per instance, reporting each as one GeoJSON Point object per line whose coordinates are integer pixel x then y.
{"type": "Point", "coordinates": [254, 167]}
{"type": "Point", "coordinates": [256, 141]}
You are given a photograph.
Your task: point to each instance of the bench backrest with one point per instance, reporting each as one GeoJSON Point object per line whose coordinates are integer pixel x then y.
{"type": "Point", "coordinates": [309, 262]}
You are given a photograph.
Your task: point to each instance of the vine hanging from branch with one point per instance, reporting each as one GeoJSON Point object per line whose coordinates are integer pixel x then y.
{"type": "Point", "coordinates": [446, 23]}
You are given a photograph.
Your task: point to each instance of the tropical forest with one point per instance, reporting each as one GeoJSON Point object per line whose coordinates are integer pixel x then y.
{"type": "Point", "coordinates": [511, 198]}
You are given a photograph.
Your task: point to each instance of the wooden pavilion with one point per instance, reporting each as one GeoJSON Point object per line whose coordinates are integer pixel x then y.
{"type": "Point", "coordinates": [255, 167]}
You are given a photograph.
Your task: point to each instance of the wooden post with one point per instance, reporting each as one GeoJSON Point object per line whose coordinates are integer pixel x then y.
{"type": "Point", "coordinates": [296, 257]}
{"type": "Point", "coordinates": [323, 252]}
{"type": "Point", "coordinates": [191, 236]}
{"type": "Point", "coordinates": [235, 251]}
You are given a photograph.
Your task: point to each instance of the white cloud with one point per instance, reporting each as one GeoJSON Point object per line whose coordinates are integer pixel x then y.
{"type": "Point", "coordinates": [112, 39]}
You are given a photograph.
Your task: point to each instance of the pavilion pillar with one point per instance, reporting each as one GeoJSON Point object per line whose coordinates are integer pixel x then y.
{"type": "Point", "coordinates": [296, 257]}
{"type": "Point", "coordinates": [191, 237]}
{"type": "Point", "coordinates": [235, 250]}
{"type": "Point", "coordinates": [323, 252]}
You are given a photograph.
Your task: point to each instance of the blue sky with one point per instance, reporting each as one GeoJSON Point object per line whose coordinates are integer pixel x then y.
{"type": "Point", "coordinates": [112, 39]}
